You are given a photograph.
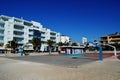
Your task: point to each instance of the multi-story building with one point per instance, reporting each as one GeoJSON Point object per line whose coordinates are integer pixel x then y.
{"type": "Point", "coordinates": [110, 39]}
{"type": "Point", "coordinates": [47, 34]}
{"type": "Point", "coordinates": [84, 40]}
{"type": "Point", "coordinates": [23, 31]}
{"type": "Point", "coordinates": [65, 39]}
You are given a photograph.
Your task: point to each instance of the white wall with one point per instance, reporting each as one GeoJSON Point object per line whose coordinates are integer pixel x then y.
{"type": "Point", "coordinates": [64, 39]}
{"type": "Point", "coordinates": [26, 34]}
{"type": "Point", "coordinates": [84, 40]}
{"type": "Point", "coordinates": [47, 34]}
{"type": "Point", "coordinates": [8, 32]}
{"type": "Point", "coordinates": [57, 37]}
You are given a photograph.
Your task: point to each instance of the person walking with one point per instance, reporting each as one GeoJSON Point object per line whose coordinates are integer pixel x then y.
{"type": "Point", "coordinates": [21, 51]}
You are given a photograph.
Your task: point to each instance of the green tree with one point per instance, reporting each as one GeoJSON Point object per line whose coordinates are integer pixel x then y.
{"type": "Point", "coordinates": [50, 43]}
{"type": "Point", "coordinates": [66, 43]}
{"type": "Point", "coordinates": [60, 44]}
{"type": "Point", "coordinates": [74, 44]}
{"type": "Point", "coordinates": [1, 44]}
{"type": "Point", "coordinates": [117, 45]}
{"type": "Point", "coordinates": [36, 44]}
{"type": "Point", "coordinates": [12, 44]}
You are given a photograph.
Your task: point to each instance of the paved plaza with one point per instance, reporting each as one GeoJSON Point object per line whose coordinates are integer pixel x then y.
{"type": "Point", "coordinates": [41, 67]}
{"type": "Point", "coordinates": [66, 61]}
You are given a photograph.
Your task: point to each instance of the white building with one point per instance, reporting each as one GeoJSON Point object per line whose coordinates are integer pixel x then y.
{"type": "Point", "coordinates": [84, 40]}
{"type": "Point", "coordinates": [47, 34]}
{"type": "Point", "coordinates": [64, 39]}
{"type": "Point", "coordinates": [23, 31]}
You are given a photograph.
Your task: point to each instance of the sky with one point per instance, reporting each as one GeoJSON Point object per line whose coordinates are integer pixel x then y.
{"type": "Point", "coordinates": [73, 18]}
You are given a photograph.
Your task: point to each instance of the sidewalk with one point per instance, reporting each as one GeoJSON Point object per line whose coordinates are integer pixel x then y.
{"type": "Point", "coordinates": [30, 54]}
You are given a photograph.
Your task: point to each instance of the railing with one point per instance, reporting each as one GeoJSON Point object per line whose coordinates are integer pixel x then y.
{"type": "Point", "coordinates": [30, 38]}
{"type": "Point", "coordinates": [2, 21]}
{"type": "Point", "coordinates": [43, 35]}
{"type": "Point", "coordinates": [1, 34]}
{"type": "Point", "coordinates": [43, 39]}
{"type": "Point", "coordinates": [31, 33]}
{"type": "Point", "coordinates": [20, 36]}
{"type": "Point", "coordinates": [1, 27]}
{"type": "Point", "coordinates": [1, 41]}
{"type": "Point", "coordinates": [20, 42]}
{"type": "Point", "coordinates": [20, 30]}
{"type": "Point", "coordinates": [18, 23]}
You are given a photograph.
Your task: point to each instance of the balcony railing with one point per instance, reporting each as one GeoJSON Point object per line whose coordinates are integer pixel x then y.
{"type": "Point", "coordinates": [19, 30]}
{"type": "Point", "coordinates": [43, 35]}
{"type": "Point", "coordinates": [115, 39]}
{"type": "Point", "coordinates": [30, 38]}
{"type": "Point", "coordinates": [1, 41]}
{"type": "Point", "coordinates": [31, 33]}
{"type": "Point", "coordinates": [18, 23]}
{"type": "Point", "coordinates": [19, 36]}
{"type": "Point", "coordinates": [2, 21]}
{"type": "Point", "coordinates": [43, 39]}
{"type": "Point", "coordinates": [1, 27]}
{"type": "Point", "coordinates": [20, 42]}
{"type": "Point", "coordinates": [1, 34]}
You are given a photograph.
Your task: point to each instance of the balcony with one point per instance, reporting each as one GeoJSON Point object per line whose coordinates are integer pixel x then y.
{"type": "Point", "coordinates": [31, 33]}
{"type": "Point", "coordinates": [53, 40]}
{"type": "Point", "coordinates": [1, 34]}
{"type": "Point", "coordinates": [1, 28]}
{"type": "Point", "coordinates": [27, 23]}
{"type": "Point", "coordinates": [20, 42]}
{"type": "Point", "coordinates": [19, 30]}
{"type": "Point", "coordinates": [1, 41]}
{"type": "Point", "coordinates": [18, 26]}
{"type": "Point", "coordinates": [43, 39]}
{"type": "Point", "coordinates": [18, 23]}
{"type": "Point", "coordinates": [114, 39]}
{"type": "Point", "coordinates": [30, 38]}
{"type": "Point", "coordinates": [53, 33]}
{"type": "Point", "coordinates": [52, 36]}
{"type": "Point", "coordinates": [18, 36]}
{"type": "Point", "coordinates": [43, 35]}
{"type": "Point", "coordinates": [2, 21]}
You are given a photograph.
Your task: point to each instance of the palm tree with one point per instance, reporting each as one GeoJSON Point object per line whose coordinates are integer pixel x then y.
{"type": "Point", "coordinates": [50, 44]}
{"type": "Point", "coordinates": [36, 43]}
{"type": "Point", "coordinates": [60, 44]}
{"type": "Point", "coordinates": [12, 44]}
{"type": "Point", "coordinates": [74, 44]}
{"type": "Point", "coordinates": [66, 43]}
{"type": "Point", "coordinates": [1, 45]}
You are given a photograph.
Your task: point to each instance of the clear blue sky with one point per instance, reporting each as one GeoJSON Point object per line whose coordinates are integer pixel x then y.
{"type": "Point", "coordinates": [74, 18]}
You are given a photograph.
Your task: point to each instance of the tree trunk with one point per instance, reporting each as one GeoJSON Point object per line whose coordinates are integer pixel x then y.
{"type": "Point", "coordinates": [49, 50]}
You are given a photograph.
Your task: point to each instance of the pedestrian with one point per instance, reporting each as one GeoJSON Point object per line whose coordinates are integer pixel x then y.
{"type": "Point", "coordinates": [21, 51]}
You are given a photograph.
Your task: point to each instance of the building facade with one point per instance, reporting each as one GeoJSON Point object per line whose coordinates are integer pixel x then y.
{"type": "Point", "coordinates": [24, 31]}
{"type": "Point", "coordinates": [84, 40]}
{"type": "Point", "coordinates": [110, 39]}
{"type": "Point", "coordinates": [65, 39]}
